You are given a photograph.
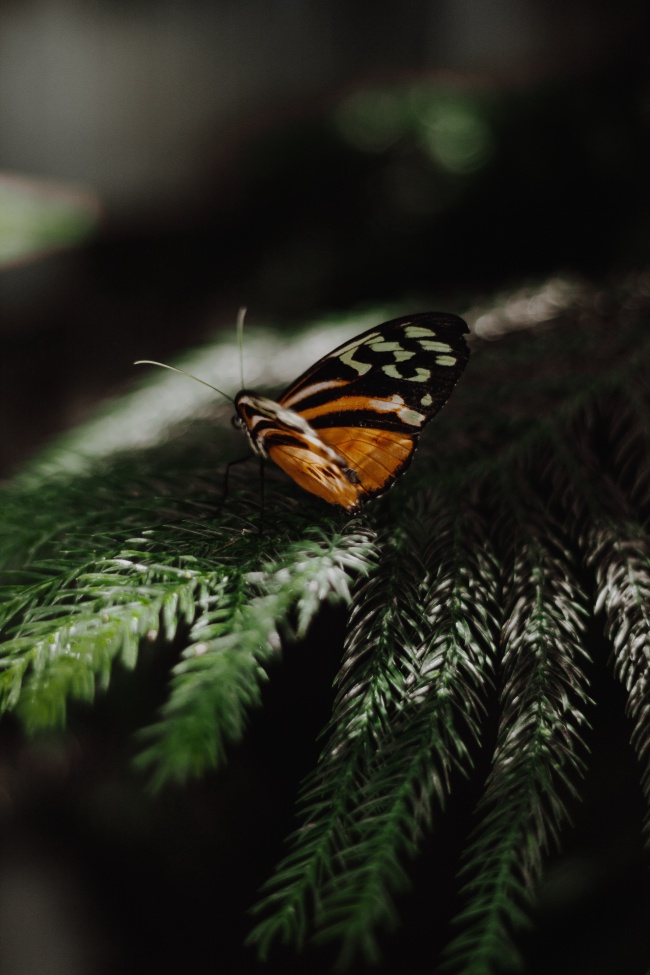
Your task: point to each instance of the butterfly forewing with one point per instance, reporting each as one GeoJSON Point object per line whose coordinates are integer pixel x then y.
{"type": "Point", "coordinates": [393, 377]}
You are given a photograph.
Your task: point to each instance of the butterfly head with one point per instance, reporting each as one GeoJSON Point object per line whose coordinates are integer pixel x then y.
{"type": "Point", "coordinates": [251, 411]}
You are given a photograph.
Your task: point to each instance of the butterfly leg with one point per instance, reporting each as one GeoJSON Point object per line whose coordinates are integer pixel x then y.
{"type": "Point", "coordinates": [261, 495]}
{"type": "Point", "coordinates": [224, 492]}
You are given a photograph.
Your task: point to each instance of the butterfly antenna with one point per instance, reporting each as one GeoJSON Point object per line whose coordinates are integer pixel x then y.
{"type": "Point", "coordinates": [151, 362]}
{"type": "Point", "coordinates": [240, 342]}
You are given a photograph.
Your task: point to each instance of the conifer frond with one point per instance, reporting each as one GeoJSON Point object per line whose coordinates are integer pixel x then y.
{"type": "Point", "coordinates": [65, 646]}
{"type": "Point", "coordinates": [64, 628]}
{"type": "Point", "coordinates": [406, 716]}
{"type": "Point", "coordinates": [539, 754]}
{"type": "Point", "coordinates": [629, 432]}
{"type": "Point", "coordinates": [620, 556]}
{"type": "Point", "coordinates": [218, 680]}
{"type": "Point", "coordinates": [385, 625]}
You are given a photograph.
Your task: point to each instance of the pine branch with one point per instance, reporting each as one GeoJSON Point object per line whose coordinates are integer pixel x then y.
{"type": "Point", "coordinates": [620, 555]}
{"type": "Point", "coordinates": [539, 751]}
{"type": "Point", "coordinates": [219, 677]}
{"type": "Point", "coordinates": [628, 426]}
{"type": "Point", "coordinates": [383, 629]}
{"type": "Point", "coordinates": [64, 645]}
{"type": "Point", "coordinates": [64, 631]}
{"type": "Point", "coordinates": [601, 498]}
{"type": "Point", "coordinates": [407, 713]}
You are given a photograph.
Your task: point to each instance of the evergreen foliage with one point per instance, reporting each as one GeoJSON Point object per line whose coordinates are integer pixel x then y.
{"type": "Point", "coordinates": [472, 586]}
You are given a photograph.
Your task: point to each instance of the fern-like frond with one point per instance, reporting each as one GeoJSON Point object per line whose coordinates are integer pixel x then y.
{"type": "Point", "coordinates": [65, 646]}
{"type": "Point", "coordinates": [540, 751]}
{"type": "Point", "coordinates": [64, 629]}
{"type": "Point", "coordinates": [237, 632]}
{"type": "Point", "coordinates": [407, 714]}
{"type": "Point", "coordinates": [620, 556]}
{"type": "Point", "coordinates": [385, 626]}
{"type": "Point", "coordinates": [628, 431]}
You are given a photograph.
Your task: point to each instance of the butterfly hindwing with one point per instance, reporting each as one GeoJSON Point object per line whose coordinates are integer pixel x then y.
{"type": "Point", "coordinates": [317, 471]}
{"type": "Point", "coordinates": [376, 456]}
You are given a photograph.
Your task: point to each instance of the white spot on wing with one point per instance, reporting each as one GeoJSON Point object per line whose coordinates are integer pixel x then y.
{"type": "Point", "coordinates": [359, 367]}
{"type": "Point", "coordinates": [382, 346]}
{"type": "Point", "coordinates": [392, 371]}
{"type": "Point", "coordinates": [445, 360]}
{"type": "Point", "coordinates": [419, 332]}
{"type": "Point", "coordinates": [421, 375]}
{"type": "Point", "coordinates": [412, 417]}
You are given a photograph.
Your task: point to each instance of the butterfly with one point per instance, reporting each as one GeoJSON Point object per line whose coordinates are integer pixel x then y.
{"type": "Point", "coordinates": [347, 428]}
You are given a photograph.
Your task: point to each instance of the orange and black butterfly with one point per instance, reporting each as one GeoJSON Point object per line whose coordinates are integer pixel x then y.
{"type": "Point", "coordinates": [348, 426]}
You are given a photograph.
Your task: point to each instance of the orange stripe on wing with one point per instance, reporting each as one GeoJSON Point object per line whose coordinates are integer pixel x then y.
{"type": "Point", "coordinates": [291, 398]}
{"type": "Point", "coordinates": [395, 407]}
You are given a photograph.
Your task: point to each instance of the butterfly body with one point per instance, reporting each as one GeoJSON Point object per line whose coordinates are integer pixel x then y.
{"type": "Point", "coordinates": [348, 426]}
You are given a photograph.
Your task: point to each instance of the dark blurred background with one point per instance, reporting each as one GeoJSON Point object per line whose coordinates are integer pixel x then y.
{"type": "Point", "coordinates": [163, 162]}
{"type": "Point", "coordinates": [189, 157]}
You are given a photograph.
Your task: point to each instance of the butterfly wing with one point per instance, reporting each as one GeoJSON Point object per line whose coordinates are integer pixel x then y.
{"type": "Point", "coordinates": [416, 358]}
{"type": "Point", "coordinates": [370, 398]}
